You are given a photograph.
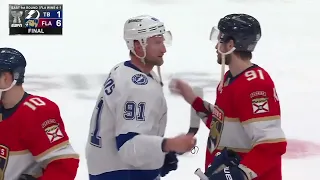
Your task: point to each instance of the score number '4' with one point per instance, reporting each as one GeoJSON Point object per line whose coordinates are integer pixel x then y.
{"type": "Point", "coordinates": [254, 74]}
{"type": "Point", "coordinates": [132, 111]}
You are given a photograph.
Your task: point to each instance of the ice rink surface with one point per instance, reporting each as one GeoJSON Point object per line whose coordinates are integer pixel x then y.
{"type": "Point", "coordinates": [65, 68]}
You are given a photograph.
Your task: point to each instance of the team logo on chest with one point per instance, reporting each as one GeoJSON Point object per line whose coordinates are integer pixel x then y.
{"type": "Point", "coordinates": [216, 128]}
{"type": "Point", "coordinates": [4, 156]}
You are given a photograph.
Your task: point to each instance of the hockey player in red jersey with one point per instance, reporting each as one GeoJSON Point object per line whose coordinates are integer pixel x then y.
{"type": "Point", "coordinates": [246, 140]}
{"type": "Point", "coordinates": [33, 142]}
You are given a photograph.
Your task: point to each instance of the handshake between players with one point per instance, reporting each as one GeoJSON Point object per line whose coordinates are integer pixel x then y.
{"type": "Point", "coordinates": [126, 139]}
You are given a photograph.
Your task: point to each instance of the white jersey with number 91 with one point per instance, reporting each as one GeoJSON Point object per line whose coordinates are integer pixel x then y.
{"type": "Point", "coordinates": [127, 127]}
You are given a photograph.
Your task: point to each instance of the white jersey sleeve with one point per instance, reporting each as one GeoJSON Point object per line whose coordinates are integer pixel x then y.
{"type": "Point", "coordinates": [127, 126]}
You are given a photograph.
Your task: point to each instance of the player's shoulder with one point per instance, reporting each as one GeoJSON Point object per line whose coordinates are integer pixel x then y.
{"type": "Point", "coordinates": [128, 76]}
{"type": "Point", "coordinates": [35, 103]}
{"type": "Point", "coordinates": [256, 76]}
{"type": "Point", "coordinates": [254, 81]}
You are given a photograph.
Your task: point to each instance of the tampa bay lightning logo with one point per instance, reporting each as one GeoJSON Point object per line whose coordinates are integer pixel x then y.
{"type": "Point", "coordinates": [140, 79]}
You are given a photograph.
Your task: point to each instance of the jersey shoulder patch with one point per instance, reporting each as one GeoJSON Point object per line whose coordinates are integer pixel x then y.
{"type": "Point", "coordinates": [139, 79]}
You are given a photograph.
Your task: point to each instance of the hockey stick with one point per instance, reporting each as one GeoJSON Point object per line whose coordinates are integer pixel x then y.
{"type": "Point", "coordinates": [200, 174]}
{"type": "Point", "coordinates": [194, 118]}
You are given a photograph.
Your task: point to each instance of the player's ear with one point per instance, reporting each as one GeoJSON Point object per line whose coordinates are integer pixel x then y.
{"type": "Point", "coordinates": [230, 44]}
{"type": "Point", "coordinates": [137, 47]}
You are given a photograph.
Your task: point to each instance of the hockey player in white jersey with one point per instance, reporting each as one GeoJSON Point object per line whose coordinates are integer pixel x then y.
{"type": "Point", "coordinates": [126, 139]}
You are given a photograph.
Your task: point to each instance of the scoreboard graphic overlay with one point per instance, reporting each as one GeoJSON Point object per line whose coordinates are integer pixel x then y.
{"type": "Point", "coordinates": [35, 19]}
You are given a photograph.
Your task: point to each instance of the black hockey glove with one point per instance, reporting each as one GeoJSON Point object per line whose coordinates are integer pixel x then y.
{"type": "Point", "coordinates": [170, 164]}
{"type": "Point", "coordinates": [223, 159]}
{"type": "Point", "coordinates": [231, 172]}
{"type": "Point", "coordinates": [27, 177]}
{"type": "Point", "coordinates": [225, 166]}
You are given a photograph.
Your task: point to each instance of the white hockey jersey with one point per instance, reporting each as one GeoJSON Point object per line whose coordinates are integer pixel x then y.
{"type": "Point", "coordinates": [127, 127]}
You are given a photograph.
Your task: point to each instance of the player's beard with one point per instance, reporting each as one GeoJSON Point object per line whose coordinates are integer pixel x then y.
{"type": "Point", "coordinates": [154, 61]}
{"type": "Point", "coordinates": [227, 59]}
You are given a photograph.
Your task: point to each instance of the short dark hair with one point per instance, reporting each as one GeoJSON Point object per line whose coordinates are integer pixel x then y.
{"type": "Point", "coordinates": [245, 55]}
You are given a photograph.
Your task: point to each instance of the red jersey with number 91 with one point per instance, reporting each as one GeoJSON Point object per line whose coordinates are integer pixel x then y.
{"type": "Point", "coordinates": [246, 119]}
{"type": "Point", "coordinates": [31, 138]}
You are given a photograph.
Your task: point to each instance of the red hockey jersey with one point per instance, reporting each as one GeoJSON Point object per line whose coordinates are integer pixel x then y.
{"type": "Point", "coordinates": [33, 141]}
{"type": "Point", "coordinates": [246, 119]}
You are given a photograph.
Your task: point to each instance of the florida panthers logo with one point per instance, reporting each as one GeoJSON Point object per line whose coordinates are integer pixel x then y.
{"type": "Point", "coordinates": [4, 155]}
{"type": "Point", "coordinates": [216, 128]}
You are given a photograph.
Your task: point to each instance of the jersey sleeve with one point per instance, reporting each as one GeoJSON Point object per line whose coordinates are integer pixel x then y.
{"type": "Point", "coordinates": [204, 110]}
{"type": "Point", "coordinates": [259, 114]}
{"type": "Point", "coordinates": [47, 140]}
{"type": "Point", "coordinates": [138, 139]}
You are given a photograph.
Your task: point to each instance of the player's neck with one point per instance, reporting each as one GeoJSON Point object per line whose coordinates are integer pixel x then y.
{"type": "Point", "coordinates": [146, 68]}
{"type": "Point", "coordinates": [238, 66]}
{"type": "Point", "coordinates": [12, 97]}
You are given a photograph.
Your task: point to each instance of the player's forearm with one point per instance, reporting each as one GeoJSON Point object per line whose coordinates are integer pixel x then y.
{"type": "Point", "coordinates": [203, 109]}
{"type": "Point", "coordinates": [65, 169]}
{"type": "Point", "coordinates": [141, 150]}
{"type": "Point", "coordinates": [264, 157]}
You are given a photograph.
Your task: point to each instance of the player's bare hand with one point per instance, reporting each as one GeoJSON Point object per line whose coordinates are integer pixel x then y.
{"type": "Point", "coordinates": [181, 143]}
{"type": "Point", "coordinates": [177, 86]}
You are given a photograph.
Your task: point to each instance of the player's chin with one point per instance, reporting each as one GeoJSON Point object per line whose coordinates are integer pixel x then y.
{"type": "Point", "coordinates": [159, 61]}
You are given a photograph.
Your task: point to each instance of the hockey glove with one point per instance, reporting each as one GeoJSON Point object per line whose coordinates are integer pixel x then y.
{"type": "Point", "coordinates": [225, 167]}
{"type": "Point", "coordinates": [231, 172]}
{"type": "Point", "coordinates": [27, 177]}
{"type": "Point", "coordinates": [223, 159]}
{"type": "Point", "coordinates": [170, 164]}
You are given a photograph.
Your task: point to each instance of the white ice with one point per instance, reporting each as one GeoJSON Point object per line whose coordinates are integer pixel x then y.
{"type": "Point", "coordinates": [92, 43]}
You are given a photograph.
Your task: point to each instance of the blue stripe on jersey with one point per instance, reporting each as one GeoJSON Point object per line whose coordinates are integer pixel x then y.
{"type": "Point", "coordinates": [130, 65]}
{"type": "Point", "coordinates": [123, 138]}
{"type": "Point", "coordinates": [127, 175]}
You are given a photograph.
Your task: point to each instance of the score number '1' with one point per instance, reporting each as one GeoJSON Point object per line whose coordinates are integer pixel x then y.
{"type": "Point", "coordinates": [59, 14]}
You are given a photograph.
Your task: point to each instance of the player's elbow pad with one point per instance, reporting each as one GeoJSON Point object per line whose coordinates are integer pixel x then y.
{"type": "Point", "coordinates": [141, 150]}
